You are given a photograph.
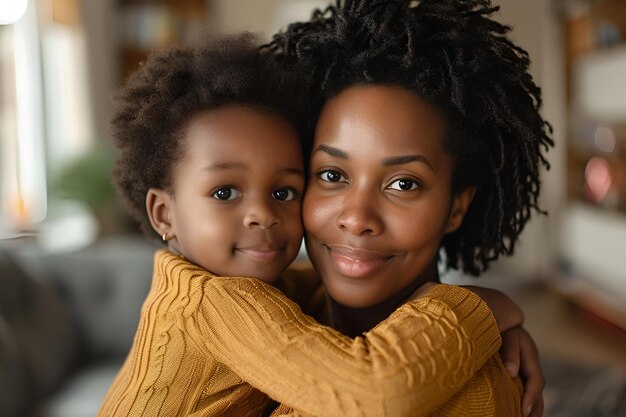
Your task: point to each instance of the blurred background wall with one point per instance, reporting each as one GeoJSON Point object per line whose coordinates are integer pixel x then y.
{"type": "Point", "coordinates": [61, 61]}
{"type": "Point", "coordinates": [75, 53]}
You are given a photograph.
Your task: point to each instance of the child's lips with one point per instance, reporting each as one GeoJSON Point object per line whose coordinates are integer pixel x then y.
{"type": "Point", "coordinates": [264, 253]}
{"type": "Point", "coordinates": [356, 263]}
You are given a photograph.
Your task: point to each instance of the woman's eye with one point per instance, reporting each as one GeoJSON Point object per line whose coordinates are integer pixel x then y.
{"type": "Point", "coordinates": [330, 176]}
{"type": "Point", "coordinates": [226, 193]}
{"type": "Point", "coordinates": [404, 185]}
{"type": "Point", "coordinates": [284, 194]}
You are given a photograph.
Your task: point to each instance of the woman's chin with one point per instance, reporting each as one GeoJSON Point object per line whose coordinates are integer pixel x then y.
{"type": "Point", "coordinates": [354, 294]}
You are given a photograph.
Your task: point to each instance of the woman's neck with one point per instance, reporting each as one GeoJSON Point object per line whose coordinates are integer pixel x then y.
{"type": "Point", "coordinates": [355, 321]}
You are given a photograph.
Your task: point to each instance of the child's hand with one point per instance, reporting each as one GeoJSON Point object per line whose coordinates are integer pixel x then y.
{"type": "Point", "coordinates": [519, 354]}
{"type": "Point", "coordinates": [505, 311]}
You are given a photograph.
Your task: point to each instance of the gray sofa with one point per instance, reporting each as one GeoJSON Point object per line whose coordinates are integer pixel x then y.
{"type": "Point", "coordinates": [66, 324]}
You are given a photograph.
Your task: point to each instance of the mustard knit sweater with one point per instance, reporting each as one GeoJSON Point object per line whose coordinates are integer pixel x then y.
{"type": "Point", "coordinates": [212, 346]}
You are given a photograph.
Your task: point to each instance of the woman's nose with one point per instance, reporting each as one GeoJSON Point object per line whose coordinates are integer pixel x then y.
{"type": "Point", "coordinates": [260, 213]}
{"type": "Point", "coordinates": [359, 215]}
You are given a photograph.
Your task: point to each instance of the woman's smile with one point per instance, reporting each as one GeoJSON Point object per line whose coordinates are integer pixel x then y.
{"type": "Point", "coordinates": [354, 262]}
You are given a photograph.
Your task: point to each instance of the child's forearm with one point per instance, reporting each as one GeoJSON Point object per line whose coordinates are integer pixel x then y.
{"type": "Point", "coordinates": [415, 360]}
{"type": "Point", "coordinates": [506, 313]}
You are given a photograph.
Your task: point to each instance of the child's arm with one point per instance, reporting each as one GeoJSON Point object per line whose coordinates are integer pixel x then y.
{"type": "Point", "coordinates": [518, 351]}
{"type": "Point", "coordinates": [506, 313]}
{"type": "Point", "coordinates": [415, 360]}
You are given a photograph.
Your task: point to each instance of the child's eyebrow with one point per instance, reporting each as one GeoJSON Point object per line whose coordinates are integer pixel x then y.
{"type": "Point", "coordinates": [223, 166]}
{"type": "Point", "coordinates": [296, 171]}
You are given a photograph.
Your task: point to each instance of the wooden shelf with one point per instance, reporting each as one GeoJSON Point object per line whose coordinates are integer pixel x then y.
{"type": "Point", "coordinates": [595, 40]}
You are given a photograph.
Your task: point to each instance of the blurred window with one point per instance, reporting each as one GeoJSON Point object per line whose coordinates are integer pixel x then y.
{"type": "Point", "coordinates": [45, 110]}
{"type": "Point", "coordinates": [23, 173]}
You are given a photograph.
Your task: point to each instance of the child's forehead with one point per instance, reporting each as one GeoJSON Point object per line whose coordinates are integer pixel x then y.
{"type": "Point", "coordinates": [245, 125]}
{"type": "Point", "coordinates": [235, 112]}
{"type": "Point", "coordinates": [236, 134]}
{"type": "Point", "coordinates": [242, 115]}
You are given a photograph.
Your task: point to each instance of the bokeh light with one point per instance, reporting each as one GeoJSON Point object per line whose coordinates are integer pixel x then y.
{"type": "Point", "coordinates": [11, 11]}
{"type": "Point", "coordinates": [597, 179]}
{"type": "Point", "coordinates": [604, 139]}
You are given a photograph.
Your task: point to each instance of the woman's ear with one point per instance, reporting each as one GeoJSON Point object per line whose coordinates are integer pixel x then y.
{"type": "Point", "coordinates": [460, 205]}
{"type": "Point", "coordinates": [158, 207]}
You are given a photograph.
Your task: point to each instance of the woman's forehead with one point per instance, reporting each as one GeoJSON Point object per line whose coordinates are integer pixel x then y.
{"type": "Point", "coordinates": [394, 121]}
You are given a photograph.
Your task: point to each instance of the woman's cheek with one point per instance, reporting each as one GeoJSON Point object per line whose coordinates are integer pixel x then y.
{"type": "Point", "coordinates": [317, 211]}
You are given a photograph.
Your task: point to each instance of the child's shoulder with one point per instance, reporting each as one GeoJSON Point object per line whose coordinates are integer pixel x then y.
{"type": "Point", "coordinates": [178, 271]}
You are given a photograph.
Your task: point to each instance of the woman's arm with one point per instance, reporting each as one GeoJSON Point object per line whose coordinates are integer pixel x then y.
{"type": "Point", "coordinates": [407, 365]}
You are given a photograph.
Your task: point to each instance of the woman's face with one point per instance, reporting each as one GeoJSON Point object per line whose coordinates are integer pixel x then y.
{"type": "Point", "coordinates": [379, 198]}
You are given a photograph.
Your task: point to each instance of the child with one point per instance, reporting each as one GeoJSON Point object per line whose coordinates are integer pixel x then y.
{"type": "Point", "coordinates": [429, 138]}
{"type": "Point", "coordinates": [210, 162]}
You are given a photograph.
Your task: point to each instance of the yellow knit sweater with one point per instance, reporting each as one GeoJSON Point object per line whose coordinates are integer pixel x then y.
{"type": "Point", "coordinates": [212, 346]}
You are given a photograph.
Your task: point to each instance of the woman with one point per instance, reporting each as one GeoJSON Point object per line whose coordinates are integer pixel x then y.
{"type": "Point", "coordinates": [429, 137]}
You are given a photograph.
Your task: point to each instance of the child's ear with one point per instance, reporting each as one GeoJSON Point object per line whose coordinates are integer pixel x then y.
{"type": "Point", "coordinates": [158, 207]}
{"type": "Point", "coordinates": [460, 205]}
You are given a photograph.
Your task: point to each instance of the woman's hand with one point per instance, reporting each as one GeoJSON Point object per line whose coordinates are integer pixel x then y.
{"type": "Point", "coordinates": [519, 354]}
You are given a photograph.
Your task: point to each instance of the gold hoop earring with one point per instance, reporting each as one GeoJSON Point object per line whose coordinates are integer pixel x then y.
{"type": "Point", "coordinates": [164, 237]}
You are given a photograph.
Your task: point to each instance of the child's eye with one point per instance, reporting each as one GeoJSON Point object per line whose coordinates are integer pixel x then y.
{"type": "Point", "coordinates": [226, 193]}
{"type": "Point", "coordinates": [404, 184]}
{"type": "Point", "coordinates": [284, 194]}
{"type": "Point", "coordinates": [330, 175]}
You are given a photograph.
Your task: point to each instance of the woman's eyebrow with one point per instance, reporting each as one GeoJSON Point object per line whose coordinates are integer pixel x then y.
{"type": "Point", "coordinates": [332, 151]}
{"type": "Point", "coordinates": [405, 159]}
{"type": "Point", "coordinates": [394, 160]}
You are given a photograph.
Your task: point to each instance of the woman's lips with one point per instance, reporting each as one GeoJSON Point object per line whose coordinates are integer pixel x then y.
{"type": "Point", "coordinates": [355, 263]}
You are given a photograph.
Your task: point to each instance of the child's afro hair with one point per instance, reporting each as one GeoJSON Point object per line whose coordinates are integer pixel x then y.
{"type": "Point", "coordinates": [155, 104]}
{"type": "Point", "coordinates": [452, 54]}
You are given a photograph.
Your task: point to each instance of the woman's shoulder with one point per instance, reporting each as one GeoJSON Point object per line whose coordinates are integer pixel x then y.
{"type": "Point", "coordinates": [302, 285]}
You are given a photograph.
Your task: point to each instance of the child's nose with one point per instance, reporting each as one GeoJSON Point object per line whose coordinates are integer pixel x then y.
{"type": "Point", "coordinates": [358, 214]}
{"type": "Point", "coordinates": [261, 214]}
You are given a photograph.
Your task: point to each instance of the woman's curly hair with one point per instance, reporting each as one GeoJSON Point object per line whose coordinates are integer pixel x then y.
{"type": "Point", "coordinates": [452, 54]}
{"type": "Point", "coordinates": [154, 106]}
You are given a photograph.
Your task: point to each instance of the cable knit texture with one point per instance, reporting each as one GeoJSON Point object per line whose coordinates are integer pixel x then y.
{"type": "Point", "coordinates": [212, 346]}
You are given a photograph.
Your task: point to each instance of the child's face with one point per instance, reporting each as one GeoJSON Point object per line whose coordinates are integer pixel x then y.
{"type": "Point", "coordinates": [379, 197]}
{"type": "Point", "coordinates": [236, 199]}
